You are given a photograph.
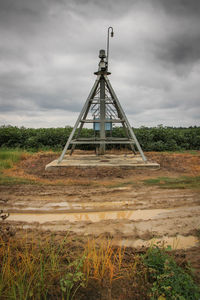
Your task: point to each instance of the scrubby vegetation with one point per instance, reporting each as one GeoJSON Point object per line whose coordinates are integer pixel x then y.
{"type": "Point", "coordinates": [183, 182]}
{"type": "Point", "coordinates": [151, 139]}
{"type": "Point", "coordinates": [8, 158]}
{"type": "Point", "coordinates": [169, 281]}
{"type": "Point", "coordinates": [51, 269]}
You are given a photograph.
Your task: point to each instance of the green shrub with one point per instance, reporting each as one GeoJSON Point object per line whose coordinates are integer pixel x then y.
{"type": "Point", "coordinates": [158, 138]}
{"type": "Point", "coordinates": [169, 281]}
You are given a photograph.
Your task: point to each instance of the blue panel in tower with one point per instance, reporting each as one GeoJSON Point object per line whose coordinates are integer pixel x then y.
{"type": "Point", "coordinates": [96, 126]}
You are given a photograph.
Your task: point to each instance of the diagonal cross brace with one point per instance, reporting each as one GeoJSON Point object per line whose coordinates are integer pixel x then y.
{"type": "Point", "coordinates": [91, 95]}
{"type": "Point", "coordinates": [112, 92]}
{"type": "Point", "coordinates": [84, 112]}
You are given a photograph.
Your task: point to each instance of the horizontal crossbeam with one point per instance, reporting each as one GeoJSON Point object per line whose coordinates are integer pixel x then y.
{"type": "Point", "coordinates": [106, 121]}
{"type": "Point", "coordinates": [107, 139]}
{"type": "Point", "coordinates": [100, 142]}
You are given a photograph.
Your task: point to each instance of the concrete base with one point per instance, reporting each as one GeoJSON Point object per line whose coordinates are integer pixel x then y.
{"type": "Point", "coordinates": [84, 161]}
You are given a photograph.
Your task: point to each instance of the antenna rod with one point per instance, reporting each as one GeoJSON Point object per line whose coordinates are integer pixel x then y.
{"type": "Point", "coordinates": [108, 36]}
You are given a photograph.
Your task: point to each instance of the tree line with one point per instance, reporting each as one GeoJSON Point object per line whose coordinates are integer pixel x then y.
{"type": "Point", "coordinates": [160, 138]}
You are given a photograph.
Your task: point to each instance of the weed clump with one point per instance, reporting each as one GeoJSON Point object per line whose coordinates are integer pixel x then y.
{"type": "Point", "coordinates": [73, 279]}
{"type": "Point", "coordinates": [169, 281]}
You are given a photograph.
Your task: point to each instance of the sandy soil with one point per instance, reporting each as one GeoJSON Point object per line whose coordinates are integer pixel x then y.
{"type": "Point", "coordinates": [107, 202]}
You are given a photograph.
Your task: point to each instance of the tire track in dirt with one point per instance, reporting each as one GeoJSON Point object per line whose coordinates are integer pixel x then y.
{"type": "Point", "coordinates": [107, 191]}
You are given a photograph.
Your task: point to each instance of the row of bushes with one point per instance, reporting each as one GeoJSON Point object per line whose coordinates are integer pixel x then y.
{"type": "Point", "coordinates": [151, 139]}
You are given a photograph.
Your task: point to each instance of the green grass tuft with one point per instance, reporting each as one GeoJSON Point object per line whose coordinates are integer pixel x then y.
{"type": "Point", "coordinates": [14, 155]}
{"type": "Point", "coordinates": [8, 180]}
{"type": "Point", "coordinates": [6, 164]}
{"type": "Point", "coordinates": [9, 157]}
{"type": "Point", "coordinates": [184, 182]}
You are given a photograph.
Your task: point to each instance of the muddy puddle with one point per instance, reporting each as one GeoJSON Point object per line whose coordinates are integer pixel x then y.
{"type": "Point", "coordinates": [178, 242]}
{"type": "Point", "coordinates": [58, 206]}
{"type": "Point", "coordinates": [96, 216]}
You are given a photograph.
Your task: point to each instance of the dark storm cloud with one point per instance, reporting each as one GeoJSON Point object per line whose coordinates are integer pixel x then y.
{"type": "Point", "coordinates": [181, 45]}
{"type": "Point", "coordinates": [184, 51]}
{"type": "Point", "coordinates": [181, 7]}
{"type": "Point", "coordinates": [49, 50]}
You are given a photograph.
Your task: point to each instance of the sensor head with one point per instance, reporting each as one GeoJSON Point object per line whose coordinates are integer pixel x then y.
{"type": "Point", "coordinates": [102, 54]}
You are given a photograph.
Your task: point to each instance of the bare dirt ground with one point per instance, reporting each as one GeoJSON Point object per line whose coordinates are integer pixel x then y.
{"type": "Point", "coordinates": [108, 202]}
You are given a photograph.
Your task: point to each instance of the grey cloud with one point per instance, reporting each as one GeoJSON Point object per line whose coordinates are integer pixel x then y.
{"type": "Point", "coordinates": [184, 51]}
{"type": "Point", "coordinates": [181, 48]}
{"type": "Point", "coordinates": [49, 51]}
{"type": "Point", "coordinates": [181, 7]}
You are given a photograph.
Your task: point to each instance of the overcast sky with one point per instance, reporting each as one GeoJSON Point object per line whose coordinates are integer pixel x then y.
{"type": "Point", "coordinates": [49, 51]}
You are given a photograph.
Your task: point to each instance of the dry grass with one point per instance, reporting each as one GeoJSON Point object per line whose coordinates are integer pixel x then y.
{"type": "Point", "coordinates": [103, 262]}
{"type": "Point", "coordinates": [61, 269]}
{"type": "Point", "coordinates": [32, 270]}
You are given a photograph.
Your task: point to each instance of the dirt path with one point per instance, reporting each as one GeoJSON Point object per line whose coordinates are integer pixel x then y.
{"type": "Point", "coordinates": [141, 212]}
{"type": "Point", "coordinates": [105, 202]}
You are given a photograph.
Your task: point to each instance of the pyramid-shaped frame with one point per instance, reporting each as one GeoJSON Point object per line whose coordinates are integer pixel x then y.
{"type": "Point", "coordinates": [103, 109]}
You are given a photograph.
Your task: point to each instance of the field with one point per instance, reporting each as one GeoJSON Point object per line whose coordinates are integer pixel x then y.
{"type": "Point", "coordinates": [109, 217]}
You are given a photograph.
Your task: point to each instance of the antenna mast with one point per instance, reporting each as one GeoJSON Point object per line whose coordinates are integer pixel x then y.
{"type": "Point", "coordinates": [108, 36]}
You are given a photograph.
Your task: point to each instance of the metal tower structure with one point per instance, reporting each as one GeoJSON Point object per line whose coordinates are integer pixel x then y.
{"type": "Point", "coordinates": [103, 109]}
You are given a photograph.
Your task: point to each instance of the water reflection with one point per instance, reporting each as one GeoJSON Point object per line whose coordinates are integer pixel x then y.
{"type": "Point", "coordinates": [89, 216]}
